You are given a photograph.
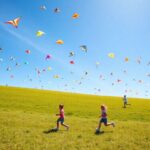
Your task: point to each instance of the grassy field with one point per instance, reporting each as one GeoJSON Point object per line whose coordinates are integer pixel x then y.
{"type": "Point", "coordinates": [26, 113]}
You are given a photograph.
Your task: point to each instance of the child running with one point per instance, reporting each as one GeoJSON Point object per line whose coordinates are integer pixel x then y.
{"type": "Point", "coordinates": [125, 101]}
{"type": "Point", "coordinates": [103, 119]}
{"type": "Point", "coordinates": [61, 117]}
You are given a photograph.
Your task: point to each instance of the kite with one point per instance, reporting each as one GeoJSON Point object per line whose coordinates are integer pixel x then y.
{"type": "Point", "coordinates": [26, 63]}
{"type": "Point", "coordinates": [44, 70]}
{"type": "Point", "coordinates": [43, 7]}
{"type": "Point", "coordinates": [139, 60]}
{"type": "Point", "coordinates": [86, 73]}
{"type": "Point", "coordinates": [49, 68]}
{"type": "Point", "coordinates": [27, 51]}
{"type": "Point", "coordinates": [60, 42]}
{"type": "Point", "coordinates": [126, 59]}
{"type": "Point", "coordinates": [8, 69]}
{"type": "Point", "coordinates": [111, 73]}
{"type": "Point", "coordinates": [140, 81]}
{"type": "Point", "coordinates": [1, 49]}
{"type": "Point", "coordinates": [71, 54]}
{"type": "Point", "coordinates": [97, 64]}
{"type": "Point", "coordinates": [38, 71]}
{"type": "Point", "coordinates": [119, 80]}
{"type": "Point", "coordinates": [56, 76]}
{"type": "Point", "coordinates": [148, 75]}
{"type": "Point", "coordinates": [48, 57]}
{"type": "Point", "coordinates": [75, 16]}
{"type": "Point", "coordinates": [125, 71]}
{"type": "Point", "coordinates": [83, 48]}
{"type": "Point", "coordinates": [12, 58]}
{"type": "Point", "coordinates": [39, 33]}
{"type": "Point", "coordinates": [17, 64]}
{"type": "Point", "coordinates": [57, 10]}
{"type": "Point", "coordinates": [14, 22]}
{"type": "Point", "coordinates": [72, 62]}
{"type": "Point", "coordinates": [111, 55]}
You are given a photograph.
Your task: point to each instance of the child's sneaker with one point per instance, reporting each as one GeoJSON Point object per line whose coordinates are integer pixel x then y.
{"type": "Point", "coordinates": [113, 124]}
{"type": "Point", "coordinates": [97, 131]}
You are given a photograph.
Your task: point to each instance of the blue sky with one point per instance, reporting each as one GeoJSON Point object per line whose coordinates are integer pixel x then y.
{"type": "Point", "coordinates": [120, 27]}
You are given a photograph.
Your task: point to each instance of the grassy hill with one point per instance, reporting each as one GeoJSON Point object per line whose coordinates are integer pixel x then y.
{"type": "Point", "coordinates": [26, 113]}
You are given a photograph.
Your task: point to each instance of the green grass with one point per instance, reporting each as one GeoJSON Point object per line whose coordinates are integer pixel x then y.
{"type": "Point", "coordinates": [26, 113]}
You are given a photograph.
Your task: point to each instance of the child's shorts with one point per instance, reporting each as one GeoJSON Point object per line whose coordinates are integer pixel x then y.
{"type": "Point", "coordinates": [60, 120]}
{"type": "Point", "coordinates": [103, 120]}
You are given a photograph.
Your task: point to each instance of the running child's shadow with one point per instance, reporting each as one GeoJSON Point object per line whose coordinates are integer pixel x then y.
{"type": "Point", "coordinates": [50, 131]}
{"type": "Point", "coordinates": [102, 132]}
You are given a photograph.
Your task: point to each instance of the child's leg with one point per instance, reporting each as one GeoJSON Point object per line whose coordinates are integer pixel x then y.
{"type": "Point", "coordinates": [108, 124]}
{"type": "Point", "coordinates": [124, 105]}
{"type": "Point", "coordinates": [64, 125]}
{"type": "Point", "coordinates": [99, 125]}
{"type": "Point", "coordinates": [58, 123]}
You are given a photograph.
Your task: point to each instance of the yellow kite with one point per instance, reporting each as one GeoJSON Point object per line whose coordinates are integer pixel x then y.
{"type": "Point", "coordinates": [111, 55]}
{"type": "Point", "coordinates": [39, 33]}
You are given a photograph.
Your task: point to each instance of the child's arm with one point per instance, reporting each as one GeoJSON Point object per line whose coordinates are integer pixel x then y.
{"type": "Point", "coordinates": [57, 114]}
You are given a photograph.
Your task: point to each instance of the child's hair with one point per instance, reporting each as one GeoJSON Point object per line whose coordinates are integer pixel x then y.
{"type": "Point", "coordinates": [61, 106]}
{"type": "Point", "coordinates": [103, 107]}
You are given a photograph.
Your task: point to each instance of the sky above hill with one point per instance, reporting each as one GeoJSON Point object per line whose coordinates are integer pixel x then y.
{"type": "Point", "coordinates": [105, 48]}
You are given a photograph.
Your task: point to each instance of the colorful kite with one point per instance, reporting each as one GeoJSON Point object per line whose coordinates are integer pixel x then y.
{"type": "Point", "coordinates": [111, 55]}
{"type": "Point", "coordinates": [148, 75]}
{"type": "Point", "coordinates": [48, 56]}
{"type": "Point", "coordinates": [75, 16]}
{"type": "Point", "coordinates": [8, 69]}
{"type": "Point", "coordinates": [17, 64]}
{"type": "Point", "coordinates": [86, 73]}
{"type": "Point", "coordinates": [56, 76]}
{"type": "Point", "coordinates": [27, 51]}
{"type": "Point", "coordinates": [119, 80]}
{"type": "Point", "coordinates": [43, 7]}
{"type": "Point", "coordinates": [49, 68]}
{"type": "Point", "coordinates": [97, 64]}
{"type": "Point", "coordinates": [72, 62]}
{"type": "Point", "coordinates": [39, 33]}
{"type": "Point", "coordinates": [57, 10]}
{"type": "Point", "coordinates": [12, 58]}
{"type": "Point", "coordinates": [83, 48]}
{"type": "Point", "coordinates": [126, 59]}
{"type": "Point", "coordinates": [14, 22]}
{"type": "Point", "coordinates": [26, 63]}
{"type": "Point", "coordinates": [60, 42]}
{"type": "Point", "coordinates": [71, 54]}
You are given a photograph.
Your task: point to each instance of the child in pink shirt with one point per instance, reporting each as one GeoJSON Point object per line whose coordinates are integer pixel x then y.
{"type": "Point", "coordinates": [61, 117]}
{"type": "Point", "coordinates": [103, 119]}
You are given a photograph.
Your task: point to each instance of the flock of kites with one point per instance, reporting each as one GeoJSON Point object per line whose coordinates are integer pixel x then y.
{"type": "Point", "coordinates": [83, 48]}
